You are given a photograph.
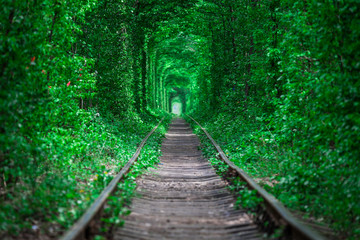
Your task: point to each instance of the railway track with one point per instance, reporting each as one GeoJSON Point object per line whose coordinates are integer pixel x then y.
{"type": "Point", "coordinates": [184, 198]}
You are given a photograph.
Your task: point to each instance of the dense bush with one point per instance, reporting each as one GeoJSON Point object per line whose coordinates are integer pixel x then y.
{"type": "Point", "coordinates": [276, 82]}
{"type": "Point", "coordinates": [68, 123]}
{"type": "Point", "coordinates": [286, 106]}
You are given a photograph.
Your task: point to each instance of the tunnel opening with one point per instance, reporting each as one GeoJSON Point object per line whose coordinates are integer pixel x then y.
{"type": "Point", "coordinates": [178, 100]}
{"type": "Point", "coordinates": [176, 106]}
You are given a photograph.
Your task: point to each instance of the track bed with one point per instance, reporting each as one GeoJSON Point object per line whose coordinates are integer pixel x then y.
{"type": "Point", "coordinates": [184, 198]}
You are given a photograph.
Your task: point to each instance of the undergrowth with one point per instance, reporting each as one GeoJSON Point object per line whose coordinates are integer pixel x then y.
{"type": "Point", "coordinates": [246, 198]}
{"type": "Point", "coordinates": [312, 190]}
{"type": "Point", "coordinates": [79, 164]}
{"type": "Point", "coordinates": [118, 204]}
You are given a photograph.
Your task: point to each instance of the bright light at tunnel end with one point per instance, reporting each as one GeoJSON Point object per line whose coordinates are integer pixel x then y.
{"type": "Point", "coordinates": [176, 108]}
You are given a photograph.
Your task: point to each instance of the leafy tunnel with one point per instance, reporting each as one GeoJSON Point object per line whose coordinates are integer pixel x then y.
{"type": "Point", "coordinates": [276, 82]}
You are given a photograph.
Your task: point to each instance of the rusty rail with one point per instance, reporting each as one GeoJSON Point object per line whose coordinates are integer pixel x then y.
{"type": "Point", "coordinates": [296, 229]}
{"type": "Point", "coordinates": [80, 229]}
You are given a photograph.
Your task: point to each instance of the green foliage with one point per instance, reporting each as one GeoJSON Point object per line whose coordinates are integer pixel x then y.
{"type": "Point", "coordinates": [275, 81]}
{"type": "Point", "coordinates": [118, 204]}
{"type": "Point", "coordinates": [78, 171]}
{"type": "Point", "coordinates": [67, 109]}
{"type": "Point", "coordinates": [281, 81]}
{"type": "Point", "coordinates": [106, 39]}
{"type": "Point", "coordinates": [246, 198]}
{"type": "Point", "coordinates": [220, 166]}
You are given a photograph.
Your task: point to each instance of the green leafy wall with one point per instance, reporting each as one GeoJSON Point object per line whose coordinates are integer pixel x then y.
{"type": "Point", "coordinates": [283, 76]}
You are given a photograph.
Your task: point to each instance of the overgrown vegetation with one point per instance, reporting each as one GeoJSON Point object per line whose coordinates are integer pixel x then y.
{"type": "Point", "coordinates": [281, 78]}
{"type": "Point", "coordinates": [60, 193]}
{"type": "Point", "coordinates": [69, 121]}
{"type": "Point", "coordinates": [118, 204]}
{"type": "Point", "coordinates": [246, 198]}
{"type": "Point", "coordinates": [275, 82]}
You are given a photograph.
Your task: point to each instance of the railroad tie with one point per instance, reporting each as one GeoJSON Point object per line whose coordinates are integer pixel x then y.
{"type": "Point", "coordinates": [184, 198]}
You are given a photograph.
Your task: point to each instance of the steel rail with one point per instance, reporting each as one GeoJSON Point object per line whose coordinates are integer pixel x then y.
{"type": "Point", "coordinates": [298, 230]}
{"type": "Point", "coordinates": [79, 229]}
